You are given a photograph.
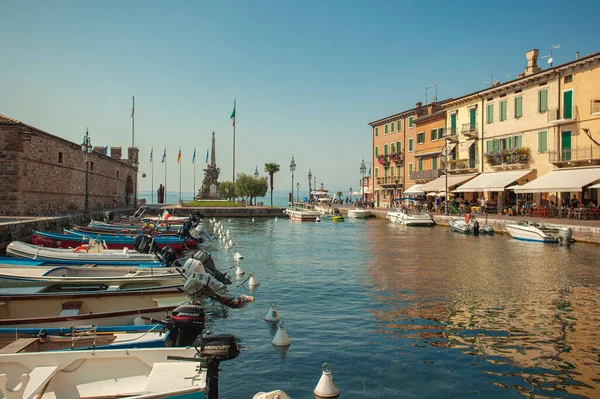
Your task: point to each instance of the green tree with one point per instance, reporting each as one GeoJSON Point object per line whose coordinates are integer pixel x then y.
{"type": "Point", "coordinates": [339, 195]}
{"type": "Point", "coordinates": [271, 169]}
{"type": "Point", "coordinates": [227, 190]}
{"type": "Point", "coordinates": [249, 187]}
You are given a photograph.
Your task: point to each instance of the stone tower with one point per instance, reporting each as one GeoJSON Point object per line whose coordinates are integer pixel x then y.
{"type": "Point", "coordinates": [210, 184]}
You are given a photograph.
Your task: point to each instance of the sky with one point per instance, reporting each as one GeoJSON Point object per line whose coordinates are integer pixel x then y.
{"type": "Point", "coordinates": [308, 76]}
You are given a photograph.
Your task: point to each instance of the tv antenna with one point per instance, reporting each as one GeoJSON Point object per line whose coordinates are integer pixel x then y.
{"type": "Point", "coordinates": [550, 59]}
{"type": "Point", "coordinates": [429, 87]}
{"type": "Point", "coordinates": [491, 81]}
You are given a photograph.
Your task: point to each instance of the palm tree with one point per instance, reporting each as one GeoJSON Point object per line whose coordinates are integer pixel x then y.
{"type": "Point", "coordinates": [271, 169]}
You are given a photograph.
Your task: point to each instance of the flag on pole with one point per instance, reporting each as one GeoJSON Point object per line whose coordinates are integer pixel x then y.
{"type": "Point", "coordinates": [232, 117]}
{"type": "Point", "coordinates": [164, 155]}
{"type": "Point", "coordinates": [151, 151]}
{"type": "Point", "coordinates": [133, 107]}
{"type": "Point", "coordinates": [194, 156]}
{"type": "Point", "coordinates": [179, 156]}
{"type": "Point", "coordinates": [207, 155]}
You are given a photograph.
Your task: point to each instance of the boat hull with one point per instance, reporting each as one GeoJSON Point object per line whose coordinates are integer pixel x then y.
{"type": "Point", "coordinates": [54, 240]}
{"type": "Point", "coordinates": [302, 214]}
{"type": "Point", "coordinates": [359, 213]}
{"type": "Point", "coordinates": [529, 233]}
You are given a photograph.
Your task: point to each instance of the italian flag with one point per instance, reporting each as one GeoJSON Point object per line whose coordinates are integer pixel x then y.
{"type": "Point", "coordinates": [166, 215]}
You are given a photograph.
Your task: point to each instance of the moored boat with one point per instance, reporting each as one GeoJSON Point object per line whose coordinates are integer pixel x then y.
{"type": "Point", "coordinates": [359, 212]}
{"type": "Point", "coordinates": [410, 219]}
{"type": "Point", "coordinates": [538, 232]}
{"type": "Point", "coordinates": [302, 214]}
{"type": "Point", "coordinates": [461, 225]}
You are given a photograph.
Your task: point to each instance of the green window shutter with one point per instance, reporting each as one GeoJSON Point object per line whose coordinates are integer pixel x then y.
{"type": "Point", "coordinates": [434, 163]}
{"type": "Point", "coordinates": [433, 134]}
{"type": "Point", "coordinates": [421, 163]}
{"type": "Point", "coordinates": [376, 151]}
{"type": "Point", "coordinates": [510, 143]}
{"type": "Point", "coordinates": [489, 114]}
{"type": "Point", "coordinates": [543, 141]}
{"type": "Point", "coordinates": [376, 172]}
{"type": "Point", "coordinates": [518, 141]}
{"type": "Point", "coordinates": [489, 146]}
{"type": "Point", "coordinates": [392, 125]}
{"type": "Point", "coordinates": [453, 124]}
{"type": "Point", "coordinates": [473, 118]}
{"type": "Point", "coordinates": [385, 149]}
{"type": "Point", "coordinates": [568, 104]}
{"type": "Point", "coordinates": [518, 107]}
{"type": "Point", "coordinates": [392, 148]}
{"type": "Point", "coordinates": [410, 145]}
{"type": "Point", "coordinates": [376, 132]}
{"type": "Point", "coordinates": [502, 116]}
{"type": "Point", "coordinates": [410, 122]}
{"type": "Point", "coordinates": [391, 171]}
{"type": "Point", "coordinates": [543, 100]}
{"type": "Point", "coordinates": [399, 146]}
{"type": "Point", "coordinates": [386, 128]}
{"type": "Point", "coordinates": [400, 125]}
{"type": "Point", "coordinates": [496, 145]}
{"type": "Point", "coordinates": [410, 167]}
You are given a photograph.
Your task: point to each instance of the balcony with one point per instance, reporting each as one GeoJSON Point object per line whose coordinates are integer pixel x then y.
{"type": "Point", "coordinates": [397, 158]}
{"type": "Point", "coordinates": [425, 175]}
{"type": "Point", "coordinates": [509, 159]}
{"type": "Point", "coordinates": [389, 182]}
{"type": "Point", "coordinates": [469, 130]}
{"type": "Point", "coordinates": [383, 159]}
{"type": "Point", "coordinates": [557, 116]}
{"type": "Point", "coordinates": [582, 155]}
{"type": "Point", "coordinates": [450, 135]}
{"type": "Point", "coordinates": [458, 166]}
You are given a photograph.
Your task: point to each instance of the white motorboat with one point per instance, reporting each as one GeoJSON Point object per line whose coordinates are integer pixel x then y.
{"type": "Point", "coordinates": [359, 212]}
{"type": "Point", "coordinates": [118, 373]}
{"type": "Point", "coordinates": [461, 225]}
{"type": "Point", "coordinates": [92, 253]}
{"type": "Point", "coordinates": [302, 214]}
{"type": "Point", "coordinates": [539, 232]}
{"type": "Point", "coordinates": [410, 219]}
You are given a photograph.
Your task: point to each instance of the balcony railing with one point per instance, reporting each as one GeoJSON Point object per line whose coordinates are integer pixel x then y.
{"type": "Point", "coordinates": [562, 115]}
{"type": "Point", "coordinates": [390, 180]}
{"type": "Point", "coordinates": [383, 159]}
{"type": "Point", "coordinates": [450, 134]}
{"type": "Point", "coordinates": [517, 156]}
{"type": "Point", "coordinates": [397, 158]}
{"type": "Point", "coordinates": [425, 174]}
{"type": "Point", "coordinates": [578, 154]}
{"type": "Point", "coordinates": [469, 130]}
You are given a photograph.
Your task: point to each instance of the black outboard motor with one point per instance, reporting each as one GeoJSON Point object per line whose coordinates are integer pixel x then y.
{"type": "Point", "coordinates": [145, 244]}
{"type": "Point", "coordinates": [213, 350]}
{"type": "Point", "coordinates": [169, 256]}
{"type": "Point", "coordinates": [184, 232]}
{"type": "Point", "coordinates": [186, 324]}
{"type": "Point", "coordinates": [209, 264]}
{"type": "Point", "coordinates": [476, 228]}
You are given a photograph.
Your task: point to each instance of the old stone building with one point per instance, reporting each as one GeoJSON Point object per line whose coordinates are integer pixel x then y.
{"type": "Point", "coordinates": [44, 174]}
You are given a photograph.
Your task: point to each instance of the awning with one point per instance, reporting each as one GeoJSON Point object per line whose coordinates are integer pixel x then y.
{"type": "Point", "coordinates": [451, 147]}
{"type": "Point", "coordinates": [414, 190]}
{"type": "Point", "coordinates": [492, 181]}
{"type": "Point", "coordinates": [464, 146]}
{"type": "Point", "coordinates": [562, 180]}
{"type": "Point", "coordinates": [439, 184]}
{"type": "Point", "coordinates": [424, 154]}
{"type": "Point", "coordinates": [595, 186]}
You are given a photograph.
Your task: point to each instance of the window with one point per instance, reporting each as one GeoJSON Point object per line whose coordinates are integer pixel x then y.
{"type": "Point", "coordinates": [410, 122]}
{"type": "Point", "coordinates": [543, 100]}
{"type": "Point", "coordinates": [542, 141]}
{"type": "Point", "coordinates": [385, 149]}
{"type": "Point", "coordinates": [399, 146]}
{"type": "Point", "coordinates": [568, 78]}
{"type": "Point", "coordinates": [60, 157]}
{"type": "Point", "coordinates": [392, 148]}
{"type": "Point", "coordinates": [376, 151]}
{"type": "Point", "coordinates": [453, 124]}
{"type": "Point", "coordinates": [410, 145]}
{"type": "Point", "coordinates": [376, 172]}
{"type": "Point", "coordinates": [420, 163]}
{"type": "Point", "coordinates": [502, 112]}
{"type": "Point", "coordinates": [518, 107]}
{"type": "Point", "coordinates": [386, 128]}
{"type": "Point", "coordinates": [441, 132]}
{"type": "Point", "coordinates": [392, 127]}
{"type": "Point", "coordinates": [410, 167]}
{"type": "Point", "coordinates": [420, 138]}
{"type": "Point", "coordinates": [434, 134]}
{"type": "Point", "coordinates": [376, 132]}
{"type": "Point", "coordinates": [434, 163]}
{"type": "Point", "coordinates": [489, 113]}
{"type": "Point", "coordinates": [400, 125]}
{"type": "Point", "coordinates": [391, 171]}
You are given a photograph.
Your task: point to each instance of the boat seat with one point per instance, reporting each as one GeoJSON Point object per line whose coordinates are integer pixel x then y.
{"type": "Point", "coordinates": [17, 345]}
{"type": "Point", "coordinates": [31, 384]}
{"type": "Point", "coordinates": [71, 308]}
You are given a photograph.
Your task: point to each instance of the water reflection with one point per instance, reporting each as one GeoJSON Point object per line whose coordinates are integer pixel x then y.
{"type": "Point", "coordinates": [517, 309]}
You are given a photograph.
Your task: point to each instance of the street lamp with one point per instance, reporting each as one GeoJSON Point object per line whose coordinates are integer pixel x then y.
{"type": "Point", "coordinates": [256, 173]}
{"type": "Point", "coordinates": [309, 181]}
{"type": "Point", "coordinates": [363, 170]}
{"type": "Point", "coordinates": [446, 155]}
{"type": "Point", "coordinates": [86, 148]}
{"type": "Point", "coordinates": [297, 192]}
{"type": "Point", "coordinates": [292, 169]}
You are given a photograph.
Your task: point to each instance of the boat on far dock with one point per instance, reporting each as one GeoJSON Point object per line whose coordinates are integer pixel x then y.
{"type": "Point", "coordinates": [302, 214]}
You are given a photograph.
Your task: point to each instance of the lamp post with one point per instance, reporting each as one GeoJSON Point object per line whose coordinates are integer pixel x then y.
{"type": "Point", "coordinates": [292, 169]}
{"type": "Point", "coordinates": [256, 173]}
{"type": "Point", "coordinates": [309, 181]}
{"type": "Point", "coordinates": [297, 192]}
{"type": "Point", "coordinates": [446, 155]}
{"type": "Point", "coordinates": [363, 170]}
{"type": "Point", "coordinates": [86, 148]}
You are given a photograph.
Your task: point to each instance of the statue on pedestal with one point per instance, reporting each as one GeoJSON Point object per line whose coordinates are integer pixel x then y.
{"type": "Point", "coordinates": [210, 184]}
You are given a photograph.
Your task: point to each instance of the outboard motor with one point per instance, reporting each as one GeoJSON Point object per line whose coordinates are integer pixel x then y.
{"type": "Point", "coordinates": [184, 232]}
{"type": "Point", "coordinates": [108, 216]}
{"type": "Point", "coordinates": [565, 235]}
{"type": "Point", "coordinates": [145, 244]}
{"type": "Point", "coordinates": [169, 256]}
{"type": "Point", "coordinates": [209, 265]}
{"type": "Point", "coordinates": [186, 324]}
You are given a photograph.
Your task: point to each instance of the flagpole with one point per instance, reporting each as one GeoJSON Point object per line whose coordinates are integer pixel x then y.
{"type": "Point", "coordinates": [165, 199]}
{"type": "Point", "coordinates": [194, 162]}
{"type": "Point", "coordinates": [152, 176]}
{"type": "Point", "coordinates": [234, 110]}
{"type": "Point", "coordinates": [179, 160]}
{"type": "Point", "coordinates": [133, 146]}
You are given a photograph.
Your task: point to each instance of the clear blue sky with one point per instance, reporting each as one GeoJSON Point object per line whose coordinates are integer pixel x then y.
{"type": "Point", "coordinates": [308, 75]}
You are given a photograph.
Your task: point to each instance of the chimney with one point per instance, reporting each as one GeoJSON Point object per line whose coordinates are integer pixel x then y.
{"type": "Point", "coordinates": [115, 153]}
{"type": "Point", "coordinates": [99, 149]}
{"type": "Point", "coordinates": [521, 75]}
{"type": "Point", "coordinates": [418, 105]}
{"type": "Point", "coordinates": [577, 55]}
{"type": "Point", "coordinates": [532, 56]}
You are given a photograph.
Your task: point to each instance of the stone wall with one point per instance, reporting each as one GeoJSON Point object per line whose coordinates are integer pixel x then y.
{"type": "Point", "coordinates": [42, 174]}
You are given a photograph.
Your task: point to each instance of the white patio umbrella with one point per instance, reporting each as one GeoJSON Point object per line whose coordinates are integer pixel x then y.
{"type": "Point", "coordinates": [443, 194]}
{"type": "Point", "coordinates": [431, 194]}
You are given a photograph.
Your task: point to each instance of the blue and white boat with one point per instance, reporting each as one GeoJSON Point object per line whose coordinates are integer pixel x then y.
{"type": "Point", "coordinates": [538, 232]}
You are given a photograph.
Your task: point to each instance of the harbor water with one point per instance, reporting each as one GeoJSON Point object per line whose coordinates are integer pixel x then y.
{"type": "Point", "coordinates": [410, 312]}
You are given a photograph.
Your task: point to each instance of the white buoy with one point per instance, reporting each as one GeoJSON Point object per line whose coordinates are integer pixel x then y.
{"type": "Point", "coordinates": [252, 282]}
{"type": "Point", "coordinates": [239, 271]}
{"type": "Point", "coordinates": [278, 394]}
{"type": "Point", "coordinates": [326, 387]}
{"type": "Point", "coordinates": [318, 219]}
{"type": "Point", "coordinates": [237, 255]}
{"type": "Point", "coordinates": [272, 314]}
{"type": "Point", "coordinates": [275, 218]}
{"type": "Point", "coordinates": [227, 233]}
{"type": "Point", "coordinates": [229, 220]}
{"type": "Point", "coordinates": [252, 220]}
{"type": "Point", "coordinates": [281, 338]}
{"type": "Point", "coordinates": [230, 243]}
